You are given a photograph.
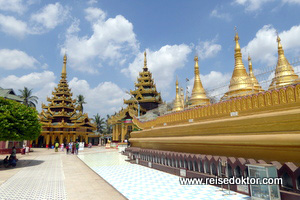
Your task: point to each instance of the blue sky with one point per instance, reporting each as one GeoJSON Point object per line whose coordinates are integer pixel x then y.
{"type": "Point", "coordinates": [105, 41]}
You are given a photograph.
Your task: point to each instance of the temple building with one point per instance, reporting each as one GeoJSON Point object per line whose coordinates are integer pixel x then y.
{"type": "Point", "coordinates": [253, 79]}
{"type": "Point", "coordinates": [178, 104]}
{"type": "Point", "coordinates": [198, 94]}
{"type": "Point", "coordinates": [284, 72]}
{"type": "Point", "coordinates": [240, 84]}
{"type": "Point", "coordinates": [62, 121]}
{"type": "Point", "coordinates": [144, 98]}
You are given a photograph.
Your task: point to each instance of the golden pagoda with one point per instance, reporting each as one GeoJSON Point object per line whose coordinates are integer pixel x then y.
{"type": "Point", "coordinates": [178, 106]}
{"type": "Point", "coordinates": [240, 83]}
{"type": "Point", "coordinates": [61, 121]}
{"type": "Point", "coordinates": [284, 73]}
{"type": "Point", "coordinates": [198, 95]}
{"type": "Point", "coordinates": [145, 92]}
{"type": "Point", "coordinates": [254, 81]}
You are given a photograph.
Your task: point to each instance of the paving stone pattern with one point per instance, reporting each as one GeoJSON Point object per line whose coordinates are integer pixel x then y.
{"type": "Point", "coordinates": [37, 182]}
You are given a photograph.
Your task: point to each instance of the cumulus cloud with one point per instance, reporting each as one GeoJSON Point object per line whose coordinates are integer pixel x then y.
{"type": "Point", "coordinates": [16, 6]}
{"type": "Point", "coordinates": [49, 17]}
{"type": "Point", "coordinates": [105, 98]}
{"type": "Point", "coordinates": [15, 59]}
{"type": "Point", "coordinates": [208, 49]}
{"type": "Point", "coordinates": [252, 5]}
{"type": "Point", "coordinates": [41, 83]}
{"type": "Point", "coordinates": [162, 63]}
{"type": "Point", "coordinates": [220, 15]}
{"type": "Point", "coordinates": [291, 1]}
{"type": "Point", "coordinates": [263, 48]}
{"type": "Point", "coordinates": [11, 26]}
{"type": "Point", "coordinates": [113, 40]}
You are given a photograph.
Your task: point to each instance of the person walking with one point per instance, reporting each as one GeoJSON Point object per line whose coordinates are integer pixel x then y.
{"type": "Point", "coordinates": [77, 147]}
{"type": "Point", "coordinates": [67, 149]}
{"type": "Point", "coordinates": [73, 148]}
{"type": "Point", "coordinates": [62, 147]}
{"type": "Point", "coordinates": [70, 147]}
{"type": "Point", "coordinates": [56, 146]}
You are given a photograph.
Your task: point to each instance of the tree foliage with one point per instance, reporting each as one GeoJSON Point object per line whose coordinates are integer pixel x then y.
{"type": "Point", "coordinates": [17, 121]}
{"type": "Point", "coordinates": [99, 121]}
{"type": "Point", "coordinates": [28, 99]}
{"type": "Point", "coordinates": [80, 101]}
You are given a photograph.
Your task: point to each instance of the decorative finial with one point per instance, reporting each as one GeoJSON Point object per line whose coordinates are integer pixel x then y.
{"type": "Point", "coordinates": [249, 58]}
{"type": "Point", "coordinates": [196, 58]}
{"type": "Point", "coordinates": [145, 59]}
{"type": "Point", "coordinates": [65, 58]}
{"type": "Point", "coordinates": [64, 68]}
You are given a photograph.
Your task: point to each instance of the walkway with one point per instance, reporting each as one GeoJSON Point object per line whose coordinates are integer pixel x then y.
{"type": "Point", "coordinates": [45, 174]}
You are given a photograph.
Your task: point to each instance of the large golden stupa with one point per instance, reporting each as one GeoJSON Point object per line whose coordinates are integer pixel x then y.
{"type": "Point", "coordinates": [61, 120]}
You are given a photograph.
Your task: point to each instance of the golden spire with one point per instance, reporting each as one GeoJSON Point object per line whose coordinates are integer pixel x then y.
{"type": "Point", "coordinates": [177, 102]}
{"type": "Point", "coordinates": [255, 84]}
{"type": "Point", "coordinates": [284, 73]}
{"type": "Point", "coordinates": [198, 94]}
{"type": "Point", "coordinates": [240, 83]}
{"type": "Point", "coordinates": [64, 68]}
{"type": "Point", "coordinates": [145, 60]}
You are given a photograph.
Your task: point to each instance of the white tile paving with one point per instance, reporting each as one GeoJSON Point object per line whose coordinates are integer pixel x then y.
{"type": "Point", "coordinates": [136, 182]}
{"type": "Point", "coordinates": [37, 182]}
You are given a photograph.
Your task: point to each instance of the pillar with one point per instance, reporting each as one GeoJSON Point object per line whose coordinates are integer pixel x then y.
{"type": "Point", "coordinates": [114, 133]}
{"type": "Point", "coordinates": [74, 138]}
{"type": "Point", "coordinates": [123, 128]}
{"type": "Point", "coordinates": [30, 143]}
{"type": "Point", "coordinates": [86, 139]}
{"type": "Point", "coordinates": [53, 139]}
{"type": "Point", "coordinates": [36, 141]}
{"type": "Point", "coordinates": [47, 140]}
{"type": "Point", "coordinates": [61, 138]}
{"type": "Point", "coordinates": [68, 138]}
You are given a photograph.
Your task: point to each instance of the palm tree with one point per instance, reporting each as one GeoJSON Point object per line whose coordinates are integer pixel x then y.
{"type": "Point", "coordinates": [28, 99]}
{"type": "Point", "coordinates": [99, 121]}
{"type": "Point", "coordinates": [80, 101]}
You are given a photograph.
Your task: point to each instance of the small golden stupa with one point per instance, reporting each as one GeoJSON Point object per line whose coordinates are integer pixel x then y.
{"type": "Point", "coordinates": [254, 81]}
{"type": "Point", "coordinates": [198, 95]}
{"type": "Point", "coordinates": [240, 83]}
{"type": "Point", "coordinates": [178, 99]}
{"type": "Point", "coordinates": [284, 73]}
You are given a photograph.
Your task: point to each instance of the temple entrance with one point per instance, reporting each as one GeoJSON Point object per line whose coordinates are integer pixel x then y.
{"type": "Point", "coordinates": [41, 140]}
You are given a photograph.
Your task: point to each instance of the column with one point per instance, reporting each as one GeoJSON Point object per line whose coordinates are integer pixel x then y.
{"type": "Point", "coordinates": [61, 138]}
{"type": "Point", "coordinates": [86, 138]}
{"type": "Point", "coordinates": [36, 141]}
{"type": "Point", "coordinates": [117, 132]}
{"type": "Point", "coordinates": [30, 144]}
{"type": "Point", "coordinates": [114, 133]}
{"type": "Point", "coordinates": [47, 140]}
{"type": "Point", "coordinates": [53, 139]}
{"type": "Point", "coordinates": [123, 132]}
{"type": "Point", "coordinates": [74, 138]}
{"type": "Point", "coordinates": [68, 138]}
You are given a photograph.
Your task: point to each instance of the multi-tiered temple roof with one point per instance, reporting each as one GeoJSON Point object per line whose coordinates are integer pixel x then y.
{"type": "Point", "coordinates": [145, 90]}
{"type": "Point", "coordinates": [61, 116]}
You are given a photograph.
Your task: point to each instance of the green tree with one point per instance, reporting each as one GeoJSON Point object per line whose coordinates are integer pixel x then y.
{"type": "Point", "coordinates": [17, 121]}
{"type": "Point", "coordinates": [99, 121]}
{"type": "Point", "coordinates": [28, 99]}
{"type": "Point", "coordinates": [80, 101]}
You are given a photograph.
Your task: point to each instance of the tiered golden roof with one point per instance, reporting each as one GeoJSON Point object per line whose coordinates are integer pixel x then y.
{"type": "Point", "coordinates": [198, 95]}
{"type": "Point", "coordinates": [284, 73]}
{"type": "Point", "coordinates": [240, 83]}
{"type": "Point", "coordinates": [178, 99]}
{"type": "Point", "coordinates": [61, 112]}
{"type": "Point", "coordinates": [145, 92]}
{"type": "Point", "coordinates": [254, 81]}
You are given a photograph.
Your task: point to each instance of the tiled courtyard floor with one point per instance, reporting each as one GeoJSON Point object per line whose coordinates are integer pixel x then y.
{"type": "Point", "coordinates": [45, 174]}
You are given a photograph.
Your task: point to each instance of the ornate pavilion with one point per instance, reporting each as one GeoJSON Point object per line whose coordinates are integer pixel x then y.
{"type": "Point", "coordinates": [144, 98]}
{"type": "Point", "coordinates": [248, 126]}
{"type": "Point", "coordinates": [61, 120]}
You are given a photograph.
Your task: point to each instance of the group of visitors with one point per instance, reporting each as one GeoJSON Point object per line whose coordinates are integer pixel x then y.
{"type": "Point", "coordinates": [12, 159]}
{"type": "Point", "coordinates": [71, 148]}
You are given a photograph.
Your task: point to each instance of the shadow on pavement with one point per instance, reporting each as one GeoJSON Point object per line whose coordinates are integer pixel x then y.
{"type": "Point", "coordinates": [22, 164]}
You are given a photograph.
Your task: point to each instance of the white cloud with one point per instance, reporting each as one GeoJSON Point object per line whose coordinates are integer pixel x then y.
{"type": "Point", "coordinates": [105, 98]}
{"type": "Point", "coordinates": [217, 14]}
{"type": "Point", "coordinates": [13, 6]}
{"type": "Point", "coordinates": [208, 49]}
{"type": "Point", "coordinates": [12, 26]}
{"type": "Point", "coordinates": [112, 40]}
{"type": "Point", "coordinates": [49, 17]}
{"type": "Point", "coordinates": [74, 27]}
{"type": "Point", "coordinates": [91, 2]}
{"type": "Point", "coordinates": [212, 87]}
{"type": "Point", "coordinates": [263, 48]}
{"type": "Point", "coordinates": [252, 5]}
{"type": "Point", "coordinates": [94, 14]}
{"type": "Point", "coordinates": [41, 83]}
{"type": "Point", "coordinates": [15, 59]}
{"type": "Point", "coordinates": [291, 1]}
{"type": "Point", "coordinates": [162, 63]}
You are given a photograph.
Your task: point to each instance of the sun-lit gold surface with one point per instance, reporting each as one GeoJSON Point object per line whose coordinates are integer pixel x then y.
{"type": "Point", "coordinates": [198, 94]}
{"type": "Point", "coordinates": [240, 83]}
{"type": "Point", "coordinates": [253, 79]}
{"type": "Point", "coordinates": [178, 99]}
{"type": "Point", "coordinates": [61, 120]}
{"type": "Point", "coordinates": [284, 73]}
